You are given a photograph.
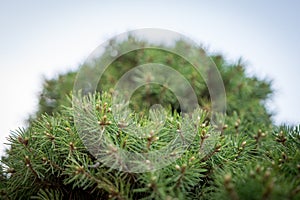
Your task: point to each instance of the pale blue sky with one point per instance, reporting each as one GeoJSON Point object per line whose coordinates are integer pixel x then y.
{"type": "Point", "coordinates": [48, 37]}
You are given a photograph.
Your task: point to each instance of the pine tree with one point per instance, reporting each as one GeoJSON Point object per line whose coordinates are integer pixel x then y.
{"type": "Point", "coordinates": [248, 158]}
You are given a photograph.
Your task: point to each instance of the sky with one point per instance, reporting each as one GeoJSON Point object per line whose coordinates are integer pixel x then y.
{"type": "Point", "coordinates": [44, 38]}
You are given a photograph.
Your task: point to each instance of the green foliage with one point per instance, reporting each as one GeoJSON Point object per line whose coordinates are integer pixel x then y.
{"type": "Point", "coordinates": [48, 195]}
{"type": "Point", "coordinates": [53, 95]}
{"type": "Point", "coordinates": [49, 160]}
{"type": "Point", "coordinates": [50, 154]}
{"type": "Point", "coordinates": [265, 166]}
{"type": "Point", "coordinates": [245, 95]}
{"type": "Point", "coordinates": [248, 158]}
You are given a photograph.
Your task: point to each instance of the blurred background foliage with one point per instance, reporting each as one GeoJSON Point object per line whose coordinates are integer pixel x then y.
{"type": "Point", "coordinates": [246, 95]}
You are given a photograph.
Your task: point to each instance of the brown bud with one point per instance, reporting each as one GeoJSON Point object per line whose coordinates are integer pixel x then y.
{"type": "Point", "coordinates": [243, 144]}
{"type": "Point", "coordinates": [11, 170]}
{"type": "Point", "coordinates": [225, 126]}
{"type": "Point", "coordinates": [218, 148]}
{"type": "Point", "coordinates": [192, 159]}
{"type": "Point", "coordinates": [227, 179]}
{"type": "Point", "coordinates": [267, 174]}
{"type": "Point", "coordinates": [258, 169]}
{"type": "Point", "coordinates": [105, 105]}
{"type": "Point", "coordinates": [284, 156]}
{"type": "Point", "coordinates": [72, 147]}
{"type": "Point", "coordinates": [50, 136]}
{"type": "Point", "coordinates": [153, 178]}
{"type": "Point", "coordinates": [104, 118]}
{"type": "Point", "coordinates": [236, 125]}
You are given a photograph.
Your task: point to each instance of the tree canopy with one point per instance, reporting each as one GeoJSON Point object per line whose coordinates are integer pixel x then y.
{"type": "Point", "coordinates": [248, 158]}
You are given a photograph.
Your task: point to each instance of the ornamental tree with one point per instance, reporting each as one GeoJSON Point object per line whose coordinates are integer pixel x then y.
{"type": "Point", "coordinates": [247, 157]}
